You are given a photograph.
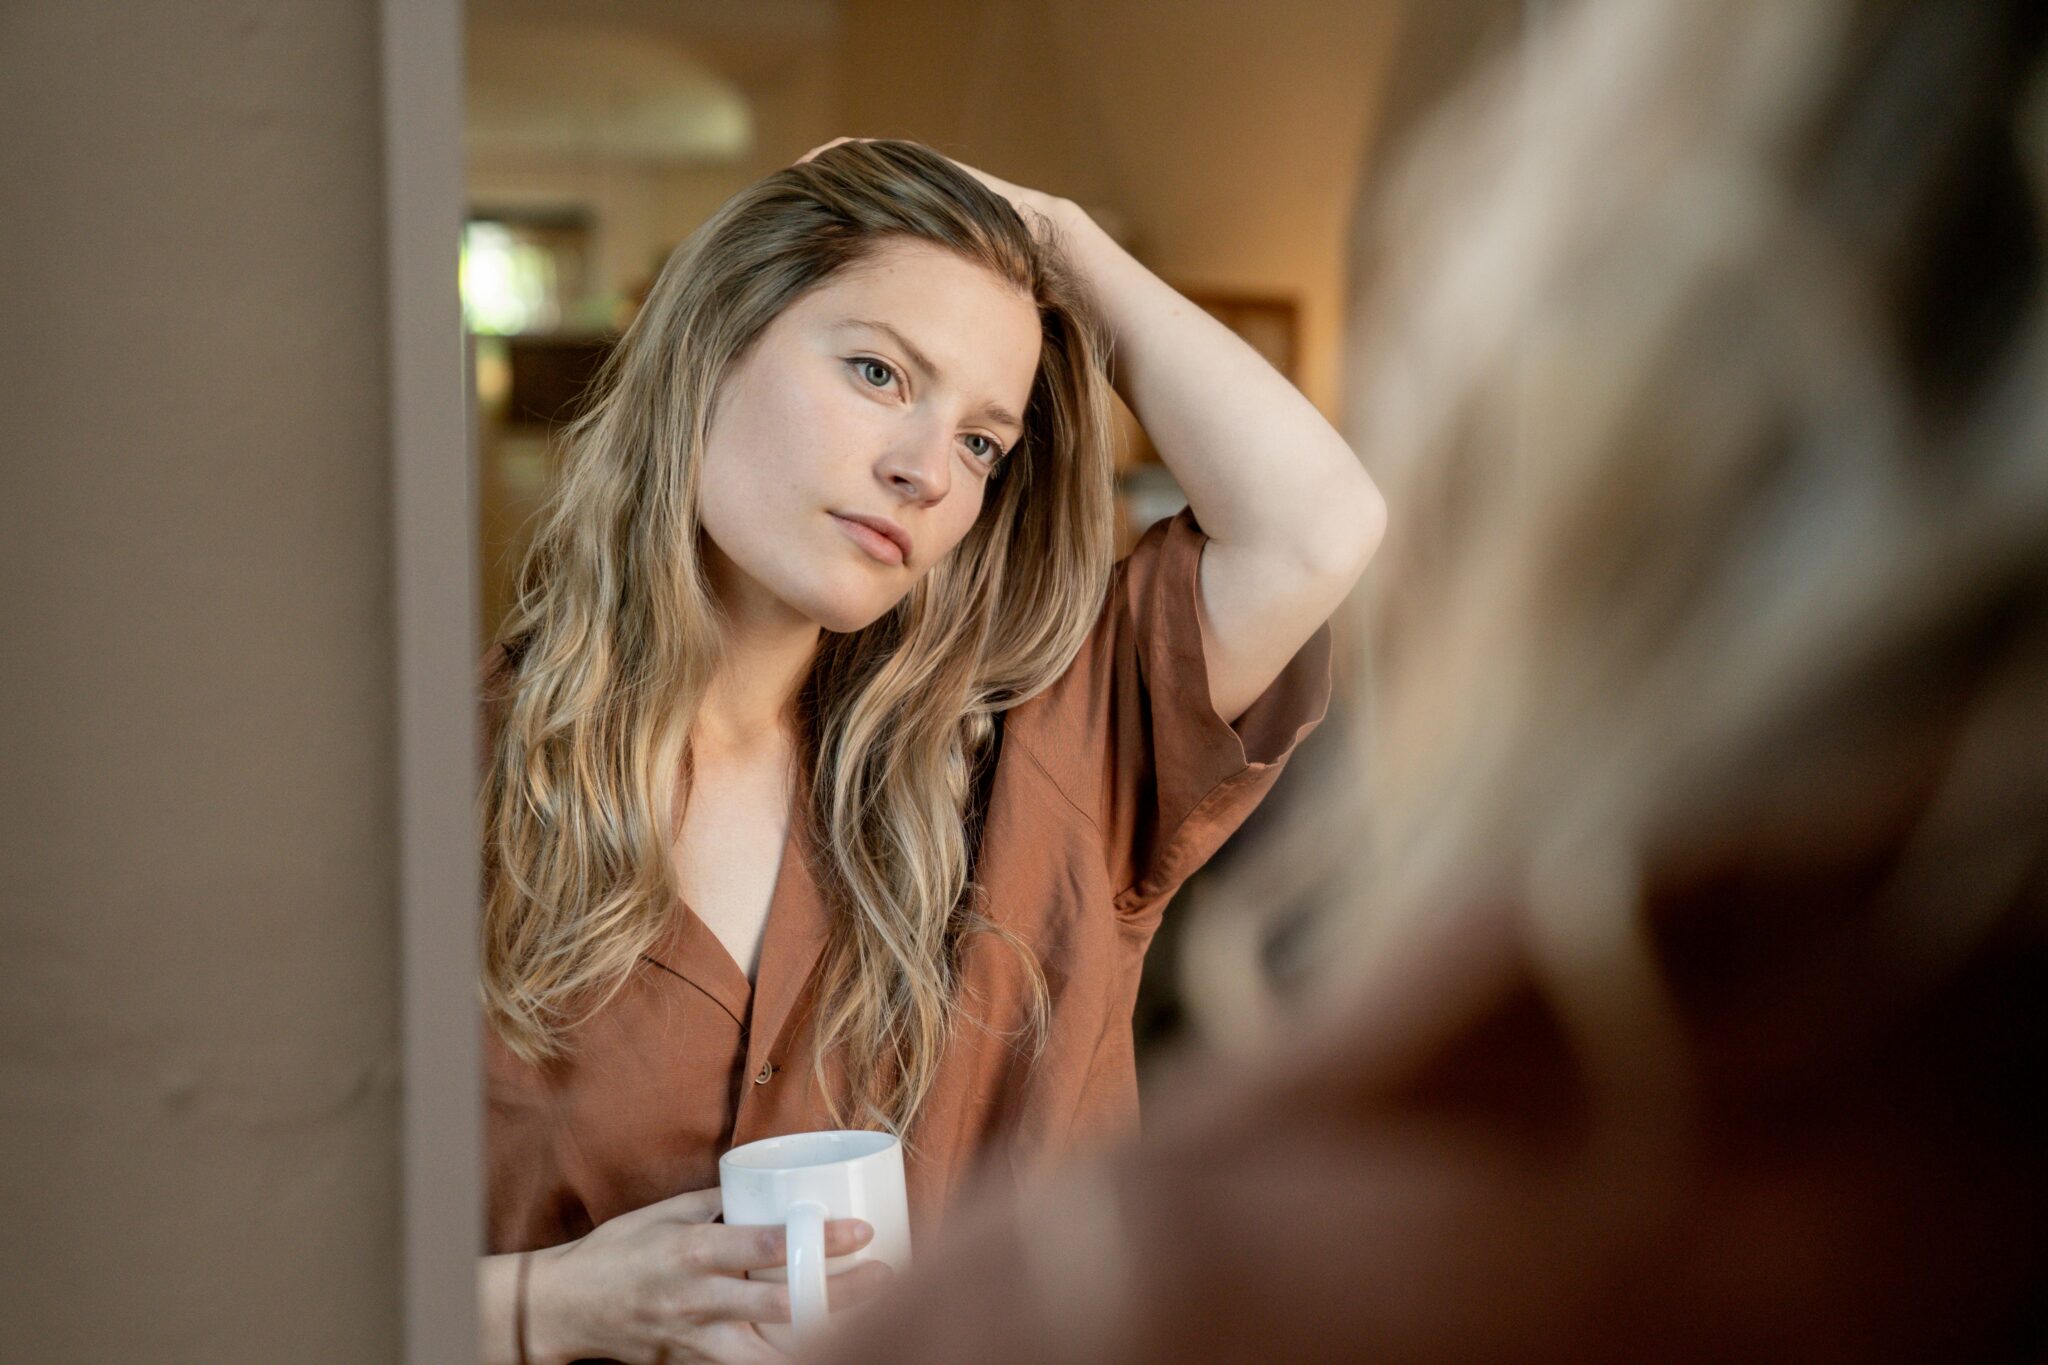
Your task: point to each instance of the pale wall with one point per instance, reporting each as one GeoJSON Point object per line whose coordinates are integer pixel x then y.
{"type": "Point", "coordinates": [1224, 137]}
{"type": "Point", "coordinates": [198, 1103]}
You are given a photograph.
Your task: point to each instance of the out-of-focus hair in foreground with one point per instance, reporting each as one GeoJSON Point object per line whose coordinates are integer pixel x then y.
{"type": "Point", "coordinates": [1708, 363]}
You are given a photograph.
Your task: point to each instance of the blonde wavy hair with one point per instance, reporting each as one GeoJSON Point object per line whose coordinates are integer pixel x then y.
{"type": "Point", "coordinates": [615, 636]}
{"type": "Point", "coordinates": [1701, 352]}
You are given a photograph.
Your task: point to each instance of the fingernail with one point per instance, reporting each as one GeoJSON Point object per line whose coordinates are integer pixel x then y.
{"type": "Point", "coordinates": [862, 1228]}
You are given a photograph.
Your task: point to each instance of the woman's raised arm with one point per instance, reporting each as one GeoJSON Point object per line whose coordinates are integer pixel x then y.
{"type": "Point", "coordinates": [1291, 515]}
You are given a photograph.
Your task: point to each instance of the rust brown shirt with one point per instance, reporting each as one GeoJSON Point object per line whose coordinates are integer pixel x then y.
{"type": "Point", "coordinates": [1108, 790]}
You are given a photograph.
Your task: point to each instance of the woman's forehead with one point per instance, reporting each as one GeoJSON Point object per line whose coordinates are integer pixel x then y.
{"type": "Point", "coordinates": [921, 276]}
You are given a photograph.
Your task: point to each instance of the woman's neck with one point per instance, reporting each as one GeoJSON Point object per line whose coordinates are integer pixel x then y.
{"type": "Point", "coordinates": [763, 659]}
{"type": "Point", "coordinates": [759, 673]}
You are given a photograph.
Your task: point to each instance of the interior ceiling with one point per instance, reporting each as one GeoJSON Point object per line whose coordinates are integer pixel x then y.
{"type": "Point", "coordinates": [657, 81]}
{"type": "Point", "coordinates": [574, 88]}
{"type": "Point", "coordinates": [743, 37]}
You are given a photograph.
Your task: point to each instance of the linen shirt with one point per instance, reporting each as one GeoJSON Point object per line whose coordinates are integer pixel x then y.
{"type": "Point", "coordinates": [1108, 789]}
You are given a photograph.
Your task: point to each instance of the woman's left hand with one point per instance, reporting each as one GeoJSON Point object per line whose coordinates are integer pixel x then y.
{"type": "Point", "coordinates": [1027, 202]}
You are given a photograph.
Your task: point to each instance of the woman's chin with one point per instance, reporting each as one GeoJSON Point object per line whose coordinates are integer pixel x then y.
{"type": "Point", "coordinates": [844, 614]}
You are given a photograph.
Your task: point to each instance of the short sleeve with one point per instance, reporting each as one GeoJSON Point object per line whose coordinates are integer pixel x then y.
{"type": "Point", "coordinates": [1130, 735]}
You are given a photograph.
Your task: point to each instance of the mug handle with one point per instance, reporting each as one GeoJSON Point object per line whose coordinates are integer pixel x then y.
{"type": "Point", "coordinates": [807, 1306]}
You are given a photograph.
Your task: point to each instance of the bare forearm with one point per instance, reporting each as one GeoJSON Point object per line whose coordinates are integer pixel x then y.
{"type": "Point", "coordinates": [1260, 465]}
{"type": "Point", "coordinates": [498, 1313]}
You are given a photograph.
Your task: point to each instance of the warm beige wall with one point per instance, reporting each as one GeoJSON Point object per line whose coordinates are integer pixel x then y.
{"type": "Point", "coordinates": [1224, 137]}
{"type": "Point", "coordinates": [198, 1108]}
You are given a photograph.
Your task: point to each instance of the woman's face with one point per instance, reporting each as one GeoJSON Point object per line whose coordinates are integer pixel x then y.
{"type": "Point", "coordinates": [850, 448]}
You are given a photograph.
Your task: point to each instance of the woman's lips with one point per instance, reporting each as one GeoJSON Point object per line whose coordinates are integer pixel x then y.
{"type": "Point", "coordinates": [868, 538]}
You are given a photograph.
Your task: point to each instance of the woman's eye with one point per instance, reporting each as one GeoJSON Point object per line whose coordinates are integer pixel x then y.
{"type": "Point", "coordinates": [878, 374]}
{"type": "Point", "coordinates": [869, 368]}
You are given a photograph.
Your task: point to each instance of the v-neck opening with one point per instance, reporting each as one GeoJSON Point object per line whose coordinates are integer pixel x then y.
{"type": "Point", "coordinates": [690, 937]}
{"type": "Point", "coordinates": [792, 939]}
{"type": "Point", "coordinates": [747, 985]}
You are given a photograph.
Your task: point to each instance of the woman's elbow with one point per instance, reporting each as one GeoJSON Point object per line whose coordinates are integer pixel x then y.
{"type": "Point", "coordinates": [1349, 527]}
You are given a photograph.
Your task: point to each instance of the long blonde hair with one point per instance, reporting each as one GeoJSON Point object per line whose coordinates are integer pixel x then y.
{"type": "Point", "coordinates": [1702, 359]}
{"type": "Point", "coordinates": [615, 636]}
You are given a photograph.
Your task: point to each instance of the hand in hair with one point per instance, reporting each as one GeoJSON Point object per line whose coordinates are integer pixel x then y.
{"type": "Point", "coordinates": [666, 1283]}
{"type": "Point", "coordinates": [1034, 206]}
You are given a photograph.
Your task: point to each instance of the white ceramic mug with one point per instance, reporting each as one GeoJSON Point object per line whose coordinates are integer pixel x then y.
{"type": "Point", "coordinates": [799, 1181]}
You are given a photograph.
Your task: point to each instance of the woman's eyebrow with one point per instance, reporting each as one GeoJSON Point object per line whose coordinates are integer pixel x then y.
{"type": "Point", "coordinates": [994, 412]}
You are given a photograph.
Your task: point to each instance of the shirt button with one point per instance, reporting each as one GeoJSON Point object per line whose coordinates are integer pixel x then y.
{"type": "Point", "coordinates": [767, 1070]}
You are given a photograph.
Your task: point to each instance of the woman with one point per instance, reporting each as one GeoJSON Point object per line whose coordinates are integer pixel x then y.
{"type": "Point", "coordinates": [1685, 934]}
{"type": "Point", "coordinates": [835, 779]}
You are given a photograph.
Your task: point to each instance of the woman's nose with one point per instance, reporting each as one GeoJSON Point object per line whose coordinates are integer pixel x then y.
{"type": "Point", "coordinates": [917, 469]}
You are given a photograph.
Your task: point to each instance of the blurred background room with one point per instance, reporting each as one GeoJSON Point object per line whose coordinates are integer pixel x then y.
{"type": "Point", "coordinates": [1221, 146]}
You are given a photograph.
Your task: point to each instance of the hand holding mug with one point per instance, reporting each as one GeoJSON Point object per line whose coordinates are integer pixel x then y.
{"type": "Point", "coordinates": [805, 1183]}
{"type": "Point", "coordinates": [665, 1283]}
